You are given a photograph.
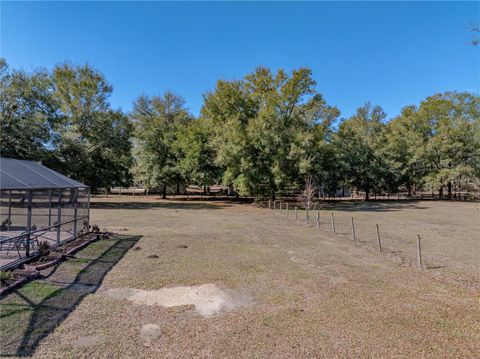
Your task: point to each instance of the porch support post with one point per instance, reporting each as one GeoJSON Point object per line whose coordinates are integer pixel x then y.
{"type": "Point", "coordinates": [59, 215]}
{"type": "Point", "coordinates": [9, 209]}
{"type": "Point", "coordinates": [29, 223]}
{"type": "Point", "coordinates": [88, 210]}
{"type": "Point", "coordinates": [49, 208]}
{"type": "Point", "coordinates": [75, 210]}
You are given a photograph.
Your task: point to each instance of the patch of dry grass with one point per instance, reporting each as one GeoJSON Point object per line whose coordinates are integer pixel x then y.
{"type": "Point", "coordinates": [449, 231]}
{"type": "Point", "coordinates": [315, 295]}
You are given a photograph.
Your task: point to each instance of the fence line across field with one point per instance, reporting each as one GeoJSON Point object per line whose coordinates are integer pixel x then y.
{"type": "Point", "coordinates": [349, 229]}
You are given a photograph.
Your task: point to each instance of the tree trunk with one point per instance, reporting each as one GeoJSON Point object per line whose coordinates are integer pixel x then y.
{"type": "Point", "coordinates": [177, 190]}
{"type": "Point", "coordinates": [205, 190]}
{"type": "Point", "coordinates": [449, 188]}
{"type": "Point", "coordinates": [230, 191]}
{"type": "Point", "coordinates": [164, 191]}
{"type": "Point", "coordinates": [272, 193]}
{"type": "Point", "coordinates": [367, 192]}
{"type": "Point", "coordinates": [440, 193]}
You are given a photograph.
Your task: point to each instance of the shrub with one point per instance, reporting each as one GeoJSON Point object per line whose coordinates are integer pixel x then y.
{"type": "Point", "coordinates": [5, 276]}
{"type": "Point", "coordinates": [44, 248]}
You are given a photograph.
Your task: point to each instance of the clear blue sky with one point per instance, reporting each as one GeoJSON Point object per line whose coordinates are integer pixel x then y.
{"type": "Point", "coordinates": [390, 53]}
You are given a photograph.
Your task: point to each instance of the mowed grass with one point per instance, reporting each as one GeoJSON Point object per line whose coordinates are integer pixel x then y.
{"type": "Point", "coordinates": [315, 295]}
{"type": "Point", "coordinates": [34, 310]}
{"type": "Point", "coordinates": [449, 232]}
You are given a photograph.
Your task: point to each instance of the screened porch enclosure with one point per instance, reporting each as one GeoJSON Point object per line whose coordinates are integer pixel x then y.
{"type": "Point", "coordinates": [38, 205]}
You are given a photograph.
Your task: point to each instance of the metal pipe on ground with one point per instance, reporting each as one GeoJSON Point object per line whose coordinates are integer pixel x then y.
{"type": "Point", "coordinates": [378, 240]}
{"type": "Point", "coordinates": [353, 229]}
{"type": "Point", "coordinates": [419, 252]}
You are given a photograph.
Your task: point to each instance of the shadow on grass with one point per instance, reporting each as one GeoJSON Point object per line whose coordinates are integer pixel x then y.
{"type": "Point", "coordinates": [49, 304]}
{"type": "Point", "coordinates": [371, 206]}
{"type": "Point", "coordinates": [172, 204]}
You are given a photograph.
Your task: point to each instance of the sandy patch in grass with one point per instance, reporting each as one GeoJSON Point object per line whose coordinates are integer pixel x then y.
{"type": "Point", "coordinates": [207, 299]}
{"type": "Point", "coordinates": [149, 332]}
{"type": "Point", "coordinates": [88, 341]}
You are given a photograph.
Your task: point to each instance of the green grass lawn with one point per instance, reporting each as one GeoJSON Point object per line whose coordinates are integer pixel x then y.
{"type": "Point", "coordinates": [35, 309]}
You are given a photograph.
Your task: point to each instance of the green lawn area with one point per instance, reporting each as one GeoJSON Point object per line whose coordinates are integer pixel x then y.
{"type": "Point", "coordinates": [35, 309]}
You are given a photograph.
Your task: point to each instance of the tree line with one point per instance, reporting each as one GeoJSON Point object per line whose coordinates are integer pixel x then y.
{"type": "Point", "coordinates": [266, 134]}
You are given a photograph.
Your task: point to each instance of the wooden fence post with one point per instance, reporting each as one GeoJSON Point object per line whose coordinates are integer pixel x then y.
{"type": "Point", "coordinates": [287, 209]}
{"type": "Point", "coordinates": [419, 252]}
{"type": "Point", "coordinates": [318, 219]}
{"type": "Point", "coordinates": [378, 240]}
{"type": "Point", "coordinates": [353, 229]}
{"type": "Point", "coordinates": [296, 212]}
{"type": "Point", "coordinates": [274, 206]}
{"type": "Point", "coordinates": [269, 204]}
{"type": "Point", "coordinates": [333, 223]}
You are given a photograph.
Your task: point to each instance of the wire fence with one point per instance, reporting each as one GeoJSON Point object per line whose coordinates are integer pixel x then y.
{"type": "Point", "coordinates": [360, 231]}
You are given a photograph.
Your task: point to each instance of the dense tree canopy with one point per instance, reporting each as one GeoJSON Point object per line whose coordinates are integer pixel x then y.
{"type": "Point", "coordinates": [263, 135]}
{"type": "Point", "coordinates": [158, 121]}
{"type": "Point", "coordinates": [92, 141]}
{"type": "Point", "coordinates": [359, 144]}
{"type": "Point", "coordinates": [443, 142]}
{"type": "Point", "coordinates": [63, 118]}
{"type": "Point", "coordinates": [197, 156]}
{"type": "Point", "coordinates": [28, 113]}
{"type": "Point", "coordinates": [265, 128]}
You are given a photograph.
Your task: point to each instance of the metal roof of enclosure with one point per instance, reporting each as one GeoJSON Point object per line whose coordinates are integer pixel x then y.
{"type": "Point", "coordinates": [21, 174]}
{"type": "Point", "coordinates": [38, 205]}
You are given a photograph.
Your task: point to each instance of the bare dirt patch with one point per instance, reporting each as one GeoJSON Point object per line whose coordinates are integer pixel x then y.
{"type": "Point", "coordinates": [150, 332]}
{"type": "Point", "coordinates": [207, 299]}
